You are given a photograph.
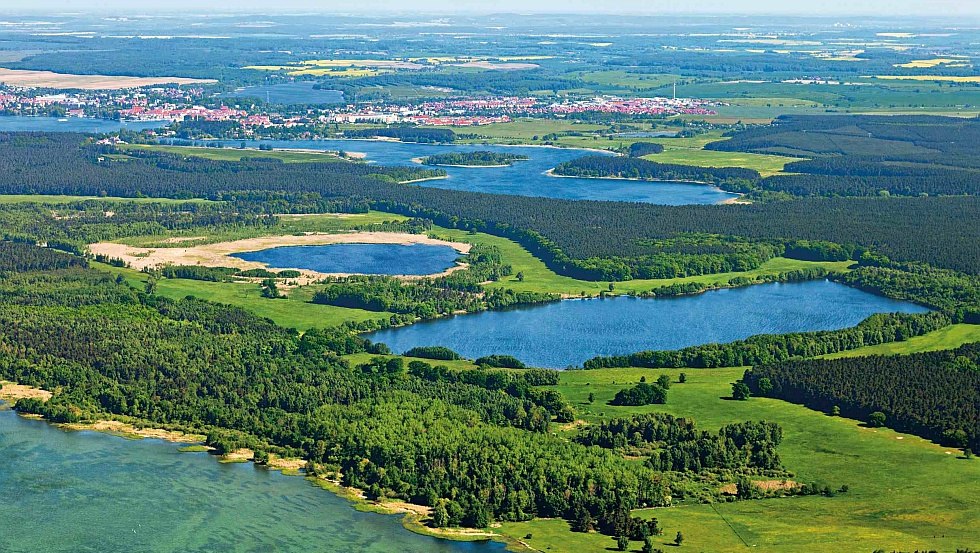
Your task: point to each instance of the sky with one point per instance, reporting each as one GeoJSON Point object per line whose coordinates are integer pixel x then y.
{"type": "Point", "coordinates": [935, 8]}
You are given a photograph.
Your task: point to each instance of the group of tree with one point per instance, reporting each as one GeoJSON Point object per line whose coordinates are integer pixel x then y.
{"type": "Point", "coordinates": [468, 449]}
{"type": "Point", "coordinates": [476, 159]}
{"type": "Point", "coordinates": [431, 297]}
{"type": "Point", "coordinates": [730, 178]}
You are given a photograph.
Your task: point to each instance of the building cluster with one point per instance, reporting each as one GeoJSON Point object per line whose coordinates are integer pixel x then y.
{"type": "Point", "coordinates": [179, 104]}
{"type": "Point", "coordinates": [95, 103]}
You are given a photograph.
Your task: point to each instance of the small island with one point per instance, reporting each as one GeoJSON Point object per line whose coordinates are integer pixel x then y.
{"type": "Point", "coordinates": [473, 159]}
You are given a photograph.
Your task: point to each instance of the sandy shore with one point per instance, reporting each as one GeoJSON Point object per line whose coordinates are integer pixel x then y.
{"type": "Point", "coordinates": [219, 254]}
{"type": "Point", "coordinates": [11, 392]}
{"type": "Point", "coordinates": [48, 79]}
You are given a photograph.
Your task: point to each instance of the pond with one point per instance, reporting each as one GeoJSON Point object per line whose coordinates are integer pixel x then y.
{"type": "Point", "coordinates": [569, 332]}
{"type": "Point", "coordinates": [23, 123]}
{"type": "Point", "coordinates": [91, 492]}
{"type": "Point", "coordinates": [525, 178]}
{"type": "Point", "coordinates": [300, 92]}
{"type": "Point", "coordinates": [369, 259]}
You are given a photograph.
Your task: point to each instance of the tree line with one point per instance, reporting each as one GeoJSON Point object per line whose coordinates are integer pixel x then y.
{"type": "Point", "coordinates": [933, 394]}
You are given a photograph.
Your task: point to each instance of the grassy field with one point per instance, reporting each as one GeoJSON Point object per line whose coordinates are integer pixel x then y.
{"type": "Point", "coordinates": [523, 131]}
{"type": "Point", "coordinates": [690, 151]}
{"type": "Point", "coordinates": [294, 311]}
{"type": "Point", "coordinates": [945, 338]}
{"type": "Point", "coordinates": [59, 199]}
{"type": "Point", "coordinates": [539, 278]}
{"type": "Point", "coordinates": [236, 154]}
{"type": "Point", "coordinates": [905, 492]}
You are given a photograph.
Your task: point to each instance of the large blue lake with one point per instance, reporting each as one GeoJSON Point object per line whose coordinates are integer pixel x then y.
{"type": "Point", "coordinates": [523, 178]}
{"type": "Point", "coordinates": [84, 492]}
{"type": "Point", "coordinates": [299, 92]}
{"type": "Point", "coordinates": [370, 259]}
{"type": "Point", "coordinates": [21, 123]}
{"type": "Point", "coordinates": [565, 333]}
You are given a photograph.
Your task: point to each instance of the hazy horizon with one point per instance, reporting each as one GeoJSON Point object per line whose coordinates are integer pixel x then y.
{"type": "Point", "coordinates": [937, 9]}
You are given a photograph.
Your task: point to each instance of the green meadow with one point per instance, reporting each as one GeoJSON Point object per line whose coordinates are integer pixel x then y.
{"type": "Point", "coordinates": [539, 278]}
{"type": "Point", "coordinates": [905, 492]}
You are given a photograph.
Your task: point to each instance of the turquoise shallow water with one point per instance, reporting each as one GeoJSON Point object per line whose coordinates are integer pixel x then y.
{"type": "Point", "coordinates": [569, 332]}
{"type": "Point", "coordinates": [90, 492]}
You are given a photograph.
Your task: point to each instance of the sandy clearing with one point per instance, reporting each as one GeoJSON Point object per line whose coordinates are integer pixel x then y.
{"type": "Point", "coordinates": [48, 79]}
{"type": "Point", "coordinates": [126, 429]}
{"type": "Point", "coordinates": [11, 392]}
{"type": "Point", "coordinates": [218, 255]}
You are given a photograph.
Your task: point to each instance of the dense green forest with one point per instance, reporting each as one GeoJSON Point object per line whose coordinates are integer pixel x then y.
{"type": "Point", "coordinates": [426, 298]}
{"type": "Point", "coordinates": [859, 155]}
{"type": "Point", "coordinates": [575, 238]}
{"type": "Point", "coordinates": [934, 394]}
{"type": "Point", "coordinates": [476, 159]}
{"type": "Point", "coordinates": [729, 178]}
{"type": "Point", "coordinates": [405, 134]}
{"type": "Point", "coordinates": [450, 440]}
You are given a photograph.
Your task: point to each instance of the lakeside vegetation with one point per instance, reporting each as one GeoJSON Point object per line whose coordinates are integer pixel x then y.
{"type": "Point", "coordinates": [474, 159]}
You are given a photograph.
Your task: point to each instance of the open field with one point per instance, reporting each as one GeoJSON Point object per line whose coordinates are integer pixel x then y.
{"type": "Point", "coordinates": [905, 492]}
{"type": "Point", "coordinates": [523, 131]}
{"type": "Point", "coordinates": [294, 311]}
{"type": "Point", "coordinates": [945, 338]}
{"type": "Point", "coordinates": [236, 154]}
{"type": "Point", "coordinates": [765, 164]}
{"type": "Point", "coordinates": [539, 278]}
{"type": "Point", "coordinates": [47, 79]}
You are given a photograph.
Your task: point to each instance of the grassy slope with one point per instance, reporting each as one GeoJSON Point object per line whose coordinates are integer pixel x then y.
{"type": "Point", "coordinates": [945, 338]}
{"type": "Point", "coordinates": [539, 278]}
{"type": "Point", "coordinates": [905, 492]}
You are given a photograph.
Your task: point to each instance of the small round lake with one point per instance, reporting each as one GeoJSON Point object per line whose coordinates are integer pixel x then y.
{"type": "Point", "coordinates": [91, 492]}
{"type": "Point", "coordinates": [569, 332]}
{"type": "Point", "coordinates": [368, 259]}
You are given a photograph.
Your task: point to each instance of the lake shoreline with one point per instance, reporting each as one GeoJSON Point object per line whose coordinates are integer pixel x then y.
{"type": "Point", "coordinates": [421, 161]}
{"type": "Point", "coordinates": [414, 514]}
{"type": "Point", "coordinates": [728, 201]}
{"type": "Point", "coordinates": [219, 254]}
